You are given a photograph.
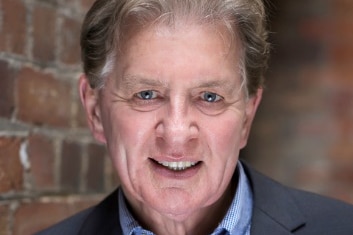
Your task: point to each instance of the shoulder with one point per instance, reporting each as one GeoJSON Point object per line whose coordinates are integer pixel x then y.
{"type": "Point", "coordinates": [69, 226]}
{"type": "Point", "coordinates": [296, 210]}
{"type": "Point", "coordinates": [323, 215]}
{"type": "Point", "coordinates": [100, 219]}
{"type": "Point", "coordinates": [317, 208]}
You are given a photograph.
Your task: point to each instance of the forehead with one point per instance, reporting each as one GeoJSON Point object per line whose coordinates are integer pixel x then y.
{"type": "Point", "coordinates": [180, 27]}
{"type": "Point", "coordinates": [191, 51]}
{"type": "Point", "coordinates": [188, 34]}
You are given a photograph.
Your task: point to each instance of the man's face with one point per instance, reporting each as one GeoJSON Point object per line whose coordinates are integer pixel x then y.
{"type": "Point", "coordinates": [174, 117]}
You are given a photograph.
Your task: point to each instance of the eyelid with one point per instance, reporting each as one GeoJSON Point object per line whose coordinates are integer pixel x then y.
{"type": "Point", "coordinates": [213, 107]}
{"type": "Point", "coordinates": [141, 104]}
{"type": "Point", "coordinates": [154, 94]}
{"type": "Point", "coordinates": [218, 97]}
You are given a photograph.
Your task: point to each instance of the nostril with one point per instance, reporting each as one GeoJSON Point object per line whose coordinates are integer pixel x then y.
{"type": "Point", "coordinates": [194, 129]}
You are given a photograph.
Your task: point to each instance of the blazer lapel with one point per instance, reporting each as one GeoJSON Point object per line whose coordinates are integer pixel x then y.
{"type": "Point", "coordinates": [275, 211]}
{"type": "Point", "coordinates": [264, 224]}
{"type": "Point", "coordinates": [104, 219]}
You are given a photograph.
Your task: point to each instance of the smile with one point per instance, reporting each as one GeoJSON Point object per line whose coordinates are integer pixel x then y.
{"type": "Point", "coordinates": [177, 166]}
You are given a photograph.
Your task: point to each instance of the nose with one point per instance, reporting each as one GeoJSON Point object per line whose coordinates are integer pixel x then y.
{"type": "Point", "coordinates": [177, 128]}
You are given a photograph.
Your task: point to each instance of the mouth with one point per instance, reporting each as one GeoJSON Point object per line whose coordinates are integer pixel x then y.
{"type": "Point", "coordinates": [178, 166]}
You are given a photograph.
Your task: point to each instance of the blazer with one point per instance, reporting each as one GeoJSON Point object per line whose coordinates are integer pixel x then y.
{"type": "Point", "coordinates": [277, 210]}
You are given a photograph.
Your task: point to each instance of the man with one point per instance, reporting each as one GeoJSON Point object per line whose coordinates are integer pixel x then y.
{"type": "Point", "coordinates": [171, 88]}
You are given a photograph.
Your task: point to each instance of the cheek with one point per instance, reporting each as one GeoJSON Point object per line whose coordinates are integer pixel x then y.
{"type": "Point", "coordinates": [225, 135]}
{"type": "Point", "coordinates": [136, 130]}
{"type": "Point", "coordinates": [127, 133]}
{"type": "Point", "coordinates": [127, 136]}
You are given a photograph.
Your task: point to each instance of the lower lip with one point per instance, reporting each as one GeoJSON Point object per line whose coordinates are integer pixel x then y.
{"type": "Point", "coordinates": [183, 174]}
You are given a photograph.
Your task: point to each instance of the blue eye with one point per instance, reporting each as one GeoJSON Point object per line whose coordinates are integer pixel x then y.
{"type": "Point", "coordinates": [210, 97]}
{"type": "Point", "coordinates": [147, 95]}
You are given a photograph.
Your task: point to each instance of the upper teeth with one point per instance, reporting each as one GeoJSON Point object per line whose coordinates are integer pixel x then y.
{"type": "Point", "coordinates": [178, 166]}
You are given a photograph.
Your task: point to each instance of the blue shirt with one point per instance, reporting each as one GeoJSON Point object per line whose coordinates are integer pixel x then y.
{"type": "Point", "coordinates": [235, 222]}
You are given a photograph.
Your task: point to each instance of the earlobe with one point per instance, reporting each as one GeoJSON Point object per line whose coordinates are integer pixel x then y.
{"type": "Point", "coordinates": [250, 111]}
{"type": "Point", "coordinates": [89, 99]}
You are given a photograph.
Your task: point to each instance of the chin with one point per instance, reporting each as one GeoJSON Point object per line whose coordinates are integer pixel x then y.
{"type": "Point", "coordinates": [176, 208]}
{"type": "Point", "coordinates": [178, 215]}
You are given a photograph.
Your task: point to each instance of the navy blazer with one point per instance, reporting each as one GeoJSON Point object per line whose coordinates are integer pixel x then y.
{"type": "Point", "coordinates": [278, 210]}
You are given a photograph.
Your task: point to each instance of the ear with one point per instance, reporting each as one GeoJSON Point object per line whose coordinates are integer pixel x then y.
{"type": "Point", "coordinates": [90, 101]}
{"type": "Point", "coordinates": [250, 111]}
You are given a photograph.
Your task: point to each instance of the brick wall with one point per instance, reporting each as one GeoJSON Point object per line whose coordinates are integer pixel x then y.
{"type": "Point", "coordinates": [50, 167]}
{"type": "Point", "coordinates": [303, 134]}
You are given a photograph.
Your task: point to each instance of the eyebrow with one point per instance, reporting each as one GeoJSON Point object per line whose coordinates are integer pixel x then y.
{"type": "Point", "coordinates": [131, 81]}
{"type": "Point", "coordinates": [229, 88]}
{"type": "Point", "coordinates": [212, 83]}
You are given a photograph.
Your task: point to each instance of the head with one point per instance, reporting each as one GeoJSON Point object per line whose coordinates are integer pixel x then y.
{"type": "Point", "coordinates": [171, 87]}
{"type": "Point", "coordinates": [107, 22]}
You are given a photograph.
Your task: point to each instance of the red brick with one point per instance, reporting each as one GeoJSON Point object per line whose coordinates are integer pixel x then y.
{"type": "Point", "coordinates": [11, 172]}
{"type": "Point", "coordinates": [70, 40]}
{"type": "Point", "coordinates": [86, 4]}
{"type": "Point", "coordinates": [70, 166]}
{"type": "Point", "coordinates": [342, 53]}
{"type": "Point", "coordinates": [341, 155]}
{"type": "Point", "coordinates": [81, 119]}
{"type": "Point", "coordinates": [339, 75]}
{"type": "Point", "coordinates": [296, 114]}
{"type": "Point", "coordinates": [327, 30]}
{"type": "Point", "coordinates": [342, 8]}
{"type": "Point", "coordinates": [343, 173]}
{"type": "Point", "coordinates": [341, 151]}
{"type": "Point", "coordinates": [301, 111]}
{"type": "Point", "coordinates": [342, 4]}
{"type": "Point", "coordinates": [43, 99]}
{"type": "Point", "coordinates": [44, 27]}
{"type": "Point", "coordinates": [309, 176]}
{"type": "Point", "coordinates": [32, 217]}
{"type": "Point", "coordinates": [41, 155]}
{"type": "Point", "coordinates": [314, 29]}
{"type": "Point", "coordinates": [13, 33]}
{"type": "Point", "coordinates": [95, 174]}
{"type": "Point", "coordinates": [310, 76]}
{"type": "Point", "coordinates": [341, 192]}
{"type": "Point", "coordinates": [69, 3]}
{"type": "Point", "coordinates": [342, 105]}
{"type": "Point", "coordinates": [342, 29]}
{"type": "Point", "coordinates": [115, 181]}
{"type": "Point", "coordinates": [6, 90]}
{"type": "Point", "coordinates": [4, 220]}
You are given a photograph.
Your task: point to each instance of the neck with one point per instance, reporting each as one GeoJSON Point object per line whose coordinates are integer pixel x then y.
{"type": "Point", "coordinates": [203, 221]}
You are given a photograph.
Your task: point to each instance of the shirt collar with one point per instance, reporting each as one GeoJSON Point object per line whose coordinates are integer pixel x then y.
{"type": "Point", "coordinates": [127, 221]}
{"type": "Point", "coordinates": [238, 217]}
{"type": "Point", "coordinates": [236, 221]}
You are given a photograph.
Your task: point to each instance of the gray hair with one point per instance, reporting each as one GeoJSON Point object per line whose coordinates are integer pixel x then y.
{"type": "Point", "coordinates": [107, 21]}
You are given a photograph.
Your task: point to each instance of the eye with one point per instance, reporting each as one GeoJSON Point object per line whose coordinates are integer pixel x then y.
{"type": "Point", "coordinates": [147, 95]}
{"type": "Point", "coordinates": [210, 97]}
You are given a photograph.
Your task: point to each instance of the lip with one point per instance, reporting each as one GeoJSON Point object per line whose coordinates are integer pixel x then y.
{"type": "Point", "coordinates": [172, 174]}
{"type": "Point", "coordinates": [175, 158]}
{"type": "Point", "coordinates": [178, 166]}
